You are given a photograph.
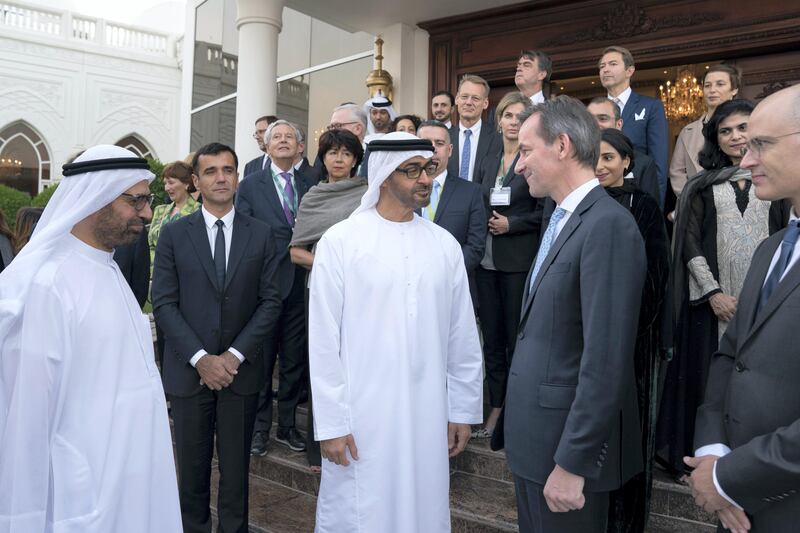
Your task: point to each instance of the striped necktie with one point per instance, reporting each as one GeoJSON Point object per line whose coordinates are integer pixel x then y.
{"type": "Point", "coordinates": [547, 242]}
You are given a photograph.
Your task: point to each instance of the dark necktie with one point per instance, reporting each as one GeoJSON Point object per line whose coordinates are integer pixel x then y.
{"type": "Point", "coordinates": [787, 248]}
{"type": "Point", "coordinates": [288, 207]}
{"type": "Point", "coordinates": [219, 254]}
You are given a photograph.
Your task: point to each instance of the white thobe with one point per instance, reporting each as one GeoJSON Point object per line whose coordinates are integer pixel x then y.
{"type": "Point", "coordinates": [394, 357]}
{"type": "Point", "coordinates": [85, 444]}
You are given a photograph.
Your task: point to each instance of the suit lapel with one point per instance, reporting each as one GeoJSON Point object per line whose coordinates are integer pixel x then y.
{"type": "Point", "coordinates": [788, 284]}
{"type": "Point", "coordinates": [630, 105]}
{"type": "Point", "coordinates": [271, 195]}
{"type": "Point", "coordinates": [563, 236]}
{"type": "Point", "coordinates": [751, 292]}
{"type": "Point", "coordinates": [510, 174]}
{"type": "Point", "coordinates": [198, 235]}
{"type": "Point", "coordinates": [447, 191]}
{"type": "Point", "coordinates": [484, 140]}
{"type": "Point", "coordinates": [239, 239]}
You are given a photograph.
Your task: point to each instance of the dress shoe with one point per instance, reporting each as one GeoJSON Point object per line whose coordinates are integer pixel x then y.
{"type": "Point", "coordinates": [260, 442]}
{"type": "Point", "coordinates": [291, 438]}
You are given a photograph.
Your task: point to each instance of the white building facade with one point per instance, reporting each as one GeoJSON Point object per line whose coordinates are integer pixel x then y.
{"type": "Point", "coordinates": [68, 82]}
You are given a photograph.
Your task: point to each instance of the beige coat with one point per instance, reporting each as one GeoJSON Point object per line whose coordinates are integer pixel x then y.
{"type": "Point", "coordinates": [684, 163]}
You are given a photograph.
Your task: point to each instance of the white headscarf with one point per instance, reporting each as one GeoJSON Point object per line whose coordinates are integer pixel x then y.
{"type": "Point", "coordinates": [76, 198]}
{"type": "Point", "coordinates": [383, 163]}
{"type": "Point", "coordinates": [377, 102]}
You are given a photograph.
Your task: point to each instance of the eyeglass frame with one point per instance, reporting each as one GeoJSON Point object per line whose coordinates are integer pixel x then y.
{"type": "Point", "coordinates": [411, 168]}
{"type": "Point", "coordinates": [756, 144]}
{"type": "Point", "coordinates": [340, 125]}
{"type": "Point", "coordinates": [139, 201]}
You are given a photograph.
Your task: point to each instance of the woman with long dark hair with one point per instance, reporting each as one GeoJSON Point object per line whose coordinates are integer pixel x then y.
{"type": "Point", "coordinates": [629, 505]}
{"type": "Point", "coordinates": [718, 226]}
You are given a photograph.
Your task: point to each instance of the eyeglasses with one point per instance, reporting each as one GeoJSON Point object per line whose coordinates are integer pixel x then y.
{"type": "Point", "coordinates": [339, 125]}
{"type": "Point", "coordinates": [413, 172]}
{"type": "Point", "coordinates": [138, 201]}
{"type": "Point", "coordinates": [757, 144]}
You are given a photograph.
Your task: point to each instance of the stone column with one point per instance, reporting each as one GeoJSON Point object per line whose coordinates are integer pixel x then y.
{"type": "Point", "coordinates": [259, 23]}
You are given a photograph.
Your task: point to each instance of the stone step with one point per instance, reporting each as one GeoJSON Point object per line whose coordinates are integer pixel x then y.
{"type": "Point", "coordinates": [481, 505]}
{"type": "Point", "coordinates": [273, 507]}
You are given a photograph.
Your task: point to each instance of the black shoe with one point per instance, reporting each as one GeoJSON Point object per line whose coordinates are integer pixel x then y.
{"type": "Point", "coordinates": [291, 438]}
{"type": "Point", "coordinates": [260, 442]}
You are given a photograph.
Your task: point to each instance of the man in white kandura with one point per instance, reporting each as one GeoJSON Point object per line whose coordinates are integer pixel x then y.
{"type": "Point", "coordinates": [395, 362]}
{"type": "Point", "coordinates": [84, 438]}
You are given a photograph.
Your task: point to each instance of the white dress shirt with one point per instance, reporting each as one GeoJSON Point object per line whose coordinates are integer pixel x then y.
{"type": "Point", "coordinates": [449, 124]}
{"type": "Point", "coordinates": [720, 449]}
{"type": "Point", "coordinates": [623, 99]}
{"type": "Point", "coordinates": [537, 98]}
{"type": "Point", "coordinates": [473, 145]}
{"type": "Point", "coordinates": [571, 202]}
{"type": "Point", "coordinates": [211, 231]}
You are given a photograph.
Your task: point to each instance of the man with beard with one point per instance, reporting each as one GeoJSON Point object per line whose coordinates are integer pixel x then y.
{"type": "Point", "coordinates": [84, 434]}
{"type": "Point", "coordinates": [395, 362]}
{"type": "Point", "coordinates": [381, 114]}
{"type": "Point", "coordinates": [442, 105]}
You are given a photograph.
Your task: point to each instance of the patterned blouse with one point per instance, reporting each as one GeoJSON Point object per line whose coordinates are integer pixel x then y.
{"type": "Point", "coordinates": [161, 216]}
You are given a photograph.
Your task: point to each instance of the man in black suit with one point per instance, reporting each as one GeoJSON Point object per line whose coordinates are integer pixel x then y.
{"type": "Point", "coordinates": [261, 162]}
{"type": "Point", "coordinates": [471, 138]}
{"type": "Point", "coordinates": [571, 417]}
{"type": "Point", "coordinates": [312, 173]}
{"type": "Point", "coordinates": [272, 196]}
{"type": "Point", "coordinates": [134, 263]}
{"type": "Point", "coordinates": [747, 432]}
{"type": "Point", "coordinates": [215, 298]}
{"type": "Point", "coordinates": [456, 204]}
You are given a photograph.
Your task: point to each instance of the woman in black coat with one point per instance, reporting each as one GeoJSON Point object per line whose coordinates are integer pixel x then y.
{"type": "Point", "coordinates": [514, 220]}
{"type": "Point", "coordinates": [629, 505]}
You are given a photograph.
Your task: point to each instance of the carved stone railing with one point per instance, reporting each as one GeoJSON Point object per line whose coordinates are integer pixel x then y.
{"type": "Point", "coordinates": [80, 28]}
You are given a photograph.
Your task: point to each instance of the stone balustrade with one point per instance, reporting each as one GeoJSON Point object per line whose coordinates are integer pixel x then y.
{"type": "Point", "coordinates": [73, 27]}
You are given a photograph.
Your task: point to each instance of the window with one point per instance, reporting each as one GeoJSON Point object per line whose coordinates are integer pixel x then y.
{"type": "Point", "coordinates": [24, 158]}
{"type": "Point", "coordinates": [135, 145]}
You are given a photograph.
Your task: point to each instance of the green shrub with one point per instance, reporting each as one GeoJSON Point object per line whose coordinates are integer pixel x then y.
{"type": "Point", "coordinates": [157, 186]}
{"type": "Point", "coordinates": [10, 202]}
{"type": "Point", "coordinates": [41, 199]}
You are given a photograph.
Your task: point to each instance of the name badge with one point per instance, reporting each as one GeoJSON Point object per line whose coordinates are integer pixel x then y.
{"type": "Point", "coordinates": [500, 196]}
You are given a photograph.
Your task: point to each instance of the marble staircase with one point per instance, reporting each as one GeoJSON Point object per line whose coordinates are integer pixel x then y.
{"type": "Point", "coordinates": [283, 494]}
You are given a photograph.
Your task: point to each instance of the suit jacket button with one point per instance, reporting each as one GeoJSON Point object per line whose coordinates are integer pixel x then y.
{"type": "Point", "coordinates": [726, 418]}
{"type": "Point", "coordinates": [599, 463]}
{"type": "Point", "coordinates": [739, 367]}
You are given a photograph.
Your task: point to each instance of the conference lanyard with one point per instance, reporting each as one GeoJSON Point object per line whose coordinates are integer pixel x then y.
{"type": "Point", "coordinates": [282, 190]}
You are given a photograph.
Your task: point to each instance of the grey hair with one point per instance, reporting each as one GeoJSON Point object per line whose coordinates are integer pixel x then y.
{"type": "Point", "coordinates": [566, 115]}
{"type": "Point", "coordinates": [358, 113]}
{"type": "Point", "coordinates": [297, 133]}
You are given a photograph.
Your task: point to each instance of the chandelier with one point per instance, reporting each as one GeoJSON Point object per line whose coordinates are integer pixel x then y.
{"type": "Point", "coordinates": [683, 100]}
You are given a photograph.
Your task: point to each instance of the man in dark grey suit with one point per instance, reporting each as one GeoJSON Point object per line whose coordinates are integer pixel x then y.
{"type": "Point", "coordinates": [272, 196]}
{"type": "Point", "coordinates": [747, 434]}
{"type": "Point", "coordinates": [456, 204]}
{"type": "Point", "coordinates": [571, 419]}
